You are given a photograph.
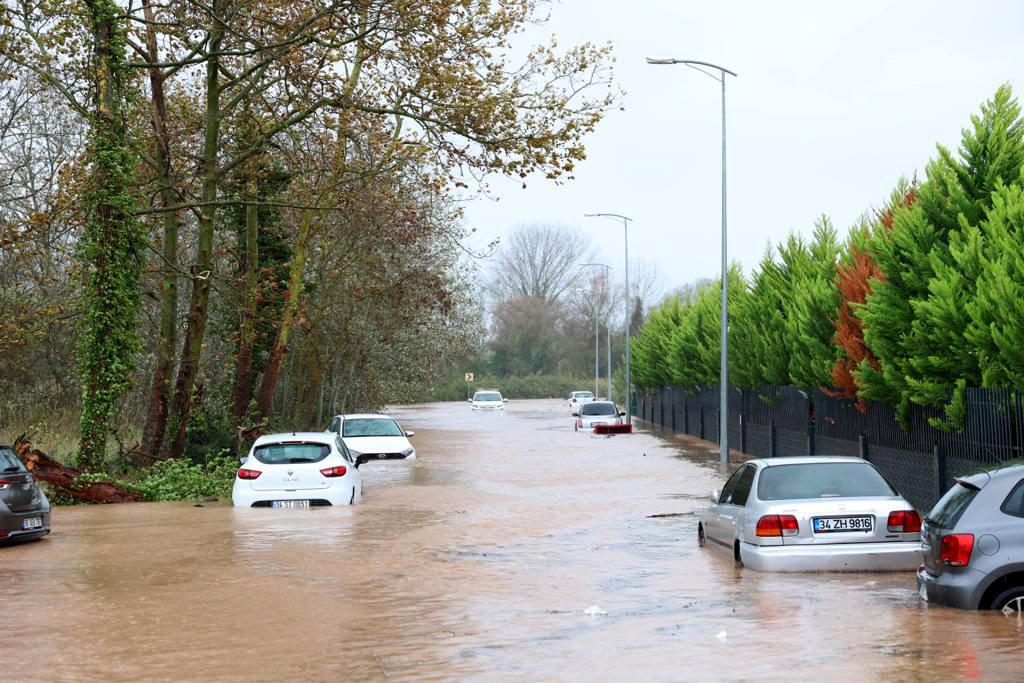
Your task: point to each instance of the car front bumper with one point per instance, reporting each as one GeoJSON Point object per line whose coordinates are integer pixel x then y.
{"type": "Point", "coordinates": [837, 557]}
{"type": "Point", "coordinates": [961, 589]}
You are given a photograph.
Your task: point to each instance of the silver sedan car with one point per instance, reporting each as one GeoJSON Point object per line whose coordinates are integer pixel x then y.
{"type": "Point", "coordinates": [818, 513]}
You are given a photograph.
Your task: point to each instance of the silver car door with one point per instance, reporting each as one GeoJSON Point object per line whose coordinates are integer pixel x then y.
{"type": "Point", "coordinates": [713, 521]}
{"type": "Point", "coordinates": [732, 508]}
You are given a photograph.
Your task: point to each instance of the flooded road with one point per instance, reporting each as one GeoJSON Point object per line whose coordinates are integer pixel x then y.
{"type": "Point", "coordinates": [478, 561]}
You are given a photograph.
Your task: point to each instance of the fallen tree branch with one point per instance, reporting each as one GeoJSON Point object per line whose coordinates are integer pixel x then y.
{"type": "Point", "coordinates": [64, 480]}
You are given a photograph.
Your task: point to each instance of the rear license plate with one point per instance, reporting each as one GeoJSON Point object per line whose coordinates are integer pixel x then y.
{"type": "Point", "coordinates": [32, 523]}
{"type": "Point", "coordinates": [289, 504]}
{"type": "Point", "coordinates": [826, 525]}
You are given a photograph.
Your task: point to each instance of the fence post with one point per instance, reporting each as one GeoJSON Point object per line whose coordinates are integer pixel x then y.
{"type": "Point", "coordinates": [686, 419]}
{"type": "Point", "coordinates": [810, 439]}
{"type": "Point", "coordinates": [702, 422]}
{"type": "Point", "coordinates": [862, 444]}
{"type": "Point", "coordinates": [771, 437]}
{"type": "Point", "coordinates": [939, 463]}
{"type": "Point", "coordinates": [743, 434]}
{"type": "Point", "coordinates": [673, 412]}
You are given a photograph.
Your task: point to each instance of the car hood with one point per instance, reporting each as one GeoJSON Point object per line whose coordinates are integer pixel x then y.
{"type": "Point", "coordinates": [377, 444]}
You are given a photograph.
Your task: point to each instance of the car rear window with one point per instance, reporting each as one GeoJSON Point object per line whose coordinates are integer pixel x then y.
{"type": "Point", "coordinates": [822, 480]}
{"type": "Point", "coordinates": [293, 452]}
{"type": "Point", "coordinates": [584, 394]}
{"type": "Point", "coordinates": [599, 408]}
{"type": "Point", "coordinates": [1014, 503]}
{"type": "Point", "coordinates": [951, 507]}
{"type": "Point", "coordinates": [370, 427]}
{"type": "Point", "coordinates": [9, 462]}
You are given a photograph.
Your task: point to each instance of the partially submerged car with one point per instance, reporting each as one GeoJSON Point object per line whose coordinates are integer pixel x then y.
{"type": "Point", "coordinates": [973, 543]}
{"type": "Point", "coordinates": [24, 509]}
{"type": "Point", "coordinates": [594, 413]}
{"type": "Point", "coordinates": [297, 470]}
{"type": "Point", "coordinates": [577, 398]}
{"type": "Point", "coordinates": [817, 513]}
{"type": "Point", "coordinates": [373, 437]}
{"type": "Point", "coordinates": [488, 399]}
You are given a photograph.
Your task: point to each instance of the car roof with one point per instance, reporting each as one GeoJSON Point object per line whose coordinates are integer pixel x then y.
{"type": "Point", "coordinates": [366, 416]}
{"type": "Point", "coordinates": [314, 437]}
{"type": "Point", "coordinates": [980, 476]}
{"type": "Point", "coordinates": [806, 460]}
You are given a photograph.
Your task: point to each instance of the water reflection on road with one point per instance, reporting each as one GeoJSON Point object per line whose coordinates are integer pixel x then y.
{"type": "Point", "coordinates": [475, 561]}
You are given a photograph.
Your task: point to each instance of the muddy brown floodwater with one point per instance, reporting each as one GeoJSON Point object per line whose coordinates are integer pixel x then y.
{"type": "Point", "coordinates": [476, 561]}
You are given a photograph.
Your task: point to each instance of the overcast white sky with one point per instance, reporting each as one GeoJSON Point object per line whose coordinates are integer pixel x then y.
{"type": "Point", "coordinates": [833, 103]}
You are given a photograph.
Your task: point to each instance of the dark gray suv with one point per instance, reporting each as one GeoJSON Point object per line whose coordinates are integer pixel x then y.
{"type": "Point", "coordinates": [24, 509]}
{"type": "Point", "coordinates": [973, 543]}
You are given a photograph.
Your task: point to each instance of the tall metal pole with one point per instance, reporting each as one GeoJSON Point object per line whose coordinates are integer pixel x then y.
{"type": "Point", "coordinates": [629, 387]}
{"type": "Point", "coordinates": [723, 424]}
{"type": "Point", "coordinates": [608, 337]}
{"type": "Point", "coordinates": [629, 317]}
{"type": "Point", "coordinates": [607, 281]}
{"type": "Point", "coordinates": [597, 356]}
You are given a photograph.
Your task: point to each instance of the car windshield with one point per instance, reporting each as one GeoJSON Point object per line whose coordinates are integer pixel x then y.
{"type": "Point", "coordinates": [584, 394]}
{"type": "Point", "coordinates": [822, 480]}
{"type": "Point", "coordinates": [598, 408]}
{"type": "Point", "coordinates": [291, 452]}
{"type": "Point", "coordinates": [950, 508]}
{"type": "Point", "coordinates": [487, 396]}
{"type": "Point", "coordinates": [9, 461]}
{"type": "Point", "coordinates": [370, 427]}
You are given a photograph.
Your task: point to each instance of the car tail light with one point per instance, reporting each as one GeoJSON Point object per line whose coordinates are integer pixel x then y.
{"type": "Point", "coordinates": [4, 534]}
{"type": "Point", "coordinates": [338, 471]}
{"type": "Point", "coordinates": [574, 400]}
{"type": "Point", "coordinates": [956, 549]}
{"type": "Point", "coordinates": [778, 525]}
{"type": "Point", "coordinates": [248, 474]}
{"type": "Point", "coordinates": [579, 422]}
{"type": "Point", "coordinates": [4, 483]}
{"type": "Point", "coordinates": [906, 521]}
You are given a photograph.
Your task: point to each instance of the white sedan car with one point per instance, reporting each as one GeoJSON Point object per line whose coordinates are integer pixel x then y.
{"type": "Point", "coordinates": [373, 437]}
{"type": "Point", "coordinates": [818, 513]}
{"type": "Point", "coordinates": [297, 470]}
{"type": "Point", "coordinates": [489, 399]}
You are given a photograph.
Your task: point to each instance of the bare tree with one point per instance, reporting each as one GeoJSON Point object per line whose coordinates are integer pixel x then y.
{"type": "Point", "coordinates": [540, 261]}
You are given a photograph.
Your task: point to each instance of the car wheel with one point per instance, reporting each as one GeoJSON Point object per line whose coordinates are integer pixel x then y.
{"type": "Point", "coordinates": [736, 553]}
{"type": "Point", "coordinates": [1010, 600]}
{"type": "Point", "coordinates": [575, 428]}
{"type": "Point", "coordinates": [701, 538]}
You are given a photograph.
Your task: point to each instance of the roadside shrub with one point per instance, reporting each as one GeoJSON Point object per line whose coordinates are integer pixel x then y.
{"type": "Point", "coordinates": [183, 479]}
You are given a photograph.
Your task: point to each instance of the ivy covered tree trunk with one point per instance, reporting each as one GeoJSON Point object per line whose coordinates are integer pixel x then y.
{"type": "Point", "coordinates": [247, 328]}
{"type": "Point", "coordinates": [111, 241]}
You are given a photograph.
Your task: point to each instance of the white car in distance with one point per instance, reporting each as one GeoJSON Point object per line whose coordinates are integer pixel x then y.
{"type": "Point", "coordinates": [488, 399]}
{"type": "Point", "coordinates": [297, 470]}
{"type": "Point", "coordinates": [373, 437]}
{"type": "Point", "coordinates": [578, 397]}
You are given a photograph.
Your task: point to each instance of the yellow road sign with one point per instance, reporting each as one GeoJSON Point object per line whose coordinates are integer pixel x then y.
{"type": "Point", "coordinates": [469, 376]}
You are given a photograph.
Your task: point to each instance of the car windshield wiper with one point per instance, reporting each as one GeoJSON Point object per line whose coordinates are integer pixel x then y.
{"type": "Point", "coordinates": [298, 460]}
{"type": "Point", "coordinates": [13, 468]}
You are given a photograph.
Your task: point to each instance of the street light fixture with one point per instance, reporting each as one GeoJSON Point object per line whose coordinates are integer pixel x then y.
{"type": "Point", "coordinates": [625, 228]}
{"type": "Point", "coordinates": [608, 275]}
{"type": "Point", "coordinates": [723, 425]}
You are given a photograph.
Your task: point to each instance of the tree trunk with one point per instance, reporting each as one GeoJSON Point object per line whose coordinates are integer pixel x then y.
{"type": "Point", "coordinates": [65, 479]}
{"type": "Point", "coordinates": [247, 331]}
{"type": "Point", "coordinates": [198, 312]}
{"type": "Point", "coordinates": [291, 307]}
{"type": "Point", "coordinates": [156, 416]}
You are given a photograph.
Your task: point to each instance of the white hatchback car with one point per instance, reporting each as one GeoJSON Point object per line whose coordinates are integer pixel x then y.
{"type": "Point", "coordinates": [594, 413]}
{"type": "Point", "coordinates": [373, 437]}
{"type": "Point", "coordinates": [577, 397]}
{"type": "Point", "coordinates": [297, 470]}
{"type": "Point", "coordinates": [488, 399]}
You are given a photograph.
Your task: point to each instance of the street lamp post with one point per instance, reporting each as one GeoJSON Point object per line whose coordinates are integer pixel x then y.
{"type": "Point", "coordinates": [607, 276]}
{"type": "Point", "coordinates": [625, 228]}
{"type": "Point", "coordinates": [723, 425]}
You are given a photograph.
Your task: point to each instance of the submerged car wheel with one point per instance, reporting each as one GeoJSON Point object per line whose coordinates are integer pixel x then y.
{"type": "Point", "coordinates": [1010, 601]}
{"type": "Point", "coordinates": [701, 539]}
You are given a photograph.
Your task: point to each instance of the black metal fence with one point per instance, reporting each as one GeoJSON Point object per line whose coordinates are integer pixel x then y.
{"type": "Point", "coordinates": [921, 461]}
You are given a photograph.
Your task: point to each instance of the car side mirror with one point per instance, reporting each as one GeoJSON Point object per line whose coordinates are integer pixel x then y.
{"type": "Point", "coordinates": [241, 461]}
{"type": "Point", "coordinates": [575, 414]}
{"type": "Point", "coordinates": [622, 414]}
{"type": "Point", "coordinates": [714, 495]}
{"type": "Point", "coordinates": [410, 434]}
